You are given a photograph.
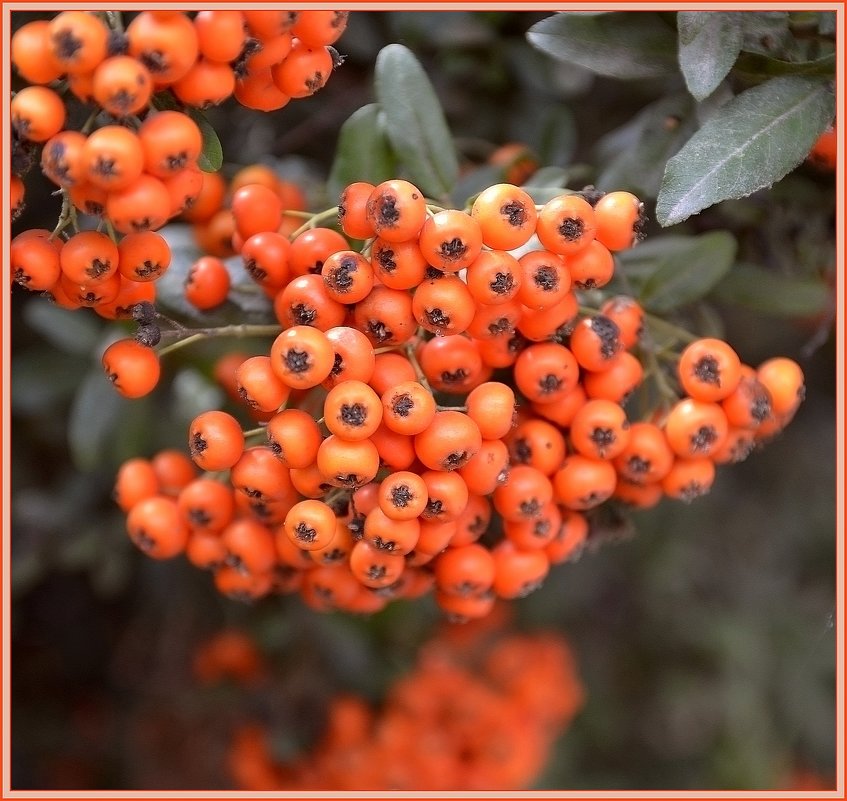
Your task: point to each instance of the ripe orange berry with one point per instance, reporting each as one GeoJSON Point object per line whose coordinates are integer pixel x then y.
{"type": "Point", "coordinates": [353, 359]}
{"type": "Point", "coordinates": [518, 572]}
{"type": "Point", "coordinates": [79, 41]}
{"type": "Point", "coordinates": [494, 277]}
{"type": "Point", "coordinates": [566, 224]}
{"type": "Point", "coordinates": [265, 257]}
{"type": "Point", "coordinates": [302, 357]}
{"type": "Point", "coordinates": [143, 256]}
{"type": "Point", "coordinates": [626, 313]}
{"type": "Point", "coordinates": [450, 240]}
{"type": "Point", "coordinates": [449, 441]}
{"type": "Point", "coordinates": [491, 406]}
{"type": "Point", "coordinates": [385, 316]}
{"type": "Point", "coordinates": [695, 428]}
{"type": "Point", "coordinates": [32, 53]}
{"type": "Point", "coordinates": [443, 305]}
{"type": "Point", "coordinates": [310, 525]}
{"type": "Point", "coordinates": [375, 567]}
{"type": "Point", "coordinates": [294, 438]}
{"type": "Point", "coordinates": [402, 495]}
{"type": "Point", "coordinates": [689, 478]}
{"type": "Point", "coordinates": [619, 217]}
{"type": "Point", "coordinates": [135, 480]}
{"type": "Point", "coordinates": [256, 208]}
{"type": "Point", "coordinates": [352, 410]}
{"type": "Point", "coordinates": [352, 210]}
{"type": "Point", "coordinates": [545, 372]}
{"type": "Point", "coordinates": [398, 265]}
{"type": "Point", "coordinates": [447, 495]}
{"type": "Point", "coordinates": [646, 457]}
{"type": "Point", "coordinates": [37, 113]}
{"type": "Point", "coordinates": [317, 27]}
{"type": "Point", "coordinates": [143, 205]}
{"type": "Point", "coordinates": [122, 85]}
{"type": "Point", "coordinates": [408, 408]}
{"type": "Point", "coordinates": [595, 342]}
{"type": "Point", "coordinates": [592, 267]}
{"type": "Point", "coordinates": [784, 379]}
{"type": "Point", "coordinates": [303, 71]}
{"type": "Point", "coordinates": [305, 301]}
{"type": "Point", "coordinates": [220, 34]}
{"type": "Point", "coordinates": [545, 279]}
{"type": "Point", "coordinates": [207, 283]}
{"type": "Point", "coordinates": [537, 443]}
{"type": "Point", "coordinates": [166, 46]}
{"type": "Point", "coordinates": [35, 261]}
{"type": "Point", "coordinates": [451, 364]}
{"type": "Point", "coordinates": [709, 369]}
{"type": "Point", "coordinates": [524, 495]}
{"type": "Point", "coordinates": [112, 158]}
{"type": "Point", "coordinates": [258, 386]}
{"type": "Point", "coordinates": [215, 440]}
{"type": "Point", "coordinates": [347, 463]}
{"type": "Point", "coordinates": [466, 570]}
{"type": "Point", "coordinates": [206, 505]}
{"type": "Point", "coordinates": [61, 158]}
{"type": "Point", "coordinates": [582, 482]}
{"type": "Point", "coordinates": [396, 210]}
{"type": "Point", "coordinates": [155, 526]}
{"type": "Point", "coordinates": [506, 215]}
{"type": "Point", "coordinates": [207, 83]}
{"type": "Point", "coordinates": [170, 141]}
{"type": "Point", "coordinates": [600, 429]}
{"type": "Point", "coordinates": [384, 533]}
{"type": "Point", "coordinates": [348, 276]}
{"type": "Point", "coordinates": [132, 368]}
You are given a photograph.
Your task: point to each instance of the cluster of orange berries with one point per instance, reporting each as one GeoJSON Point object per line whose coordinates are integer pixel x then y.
{"type": "Point", "coordinates": [134, 164]}
{"type": "Point", "coordinates": [482, 717]}
{"type": "Point", "coordinates": [396, 461]}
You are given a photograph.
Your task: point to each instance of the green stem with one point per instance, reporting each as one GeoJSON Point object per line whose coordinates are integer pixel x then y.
{"type": "Point", "coordinates": [189, 335]}
{"type": "Point", "coordinates": [314, 219]}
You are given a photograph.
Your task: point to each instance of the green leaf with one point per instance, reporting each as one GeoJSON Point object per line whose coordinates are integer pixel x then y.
{"type": "Point", "coordinates": [709, 43]}
{"type": "Point", "coordinates": [765, 291]}
{"type": "Point", "coordinates": [549, 129]}
{"type": "Point", "coordinates": [212, 156]}
{"type": "Point", "coordinates": [756, 139]}
{"type": "Point", "coordinates": [758, 65]}
{"type": "Point", "coordinates": [618, 45]}
{"type": "Point", "coordinates": [682, 269]}
{"type": "Point", "coordinates": [363, 152]}
{"type": "Point", "coordinates": [635, 154]}
{"type": "Point", "coordinates": [94, 416]}
{"type": "Point", "coordinates": [415, 122]}
{"type": "Point", "coordinates": [64, 329]}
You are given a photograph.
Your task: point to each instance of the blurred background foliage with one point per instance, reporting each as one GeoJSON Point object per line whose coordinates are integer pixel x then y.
{"type": "Point", "coordinates": [704, 633]}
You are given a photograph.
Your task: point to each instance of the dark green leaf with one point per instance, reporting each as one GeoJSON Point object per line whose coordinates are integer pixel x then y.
{"type": "Point", "coordinates": [548, 129]}
{"type": "Point", "coordinates": [750, 143]}
{"type": "Point", "coordinates": [415, 122]}
{"type": "Point", "coordinates": [95, 414]}
{"type": "Point", "coordinates": [363, 152]}
{"type": "Point", "coordinates": [771, 293]}
{"type": "Point", "coordinates": [709, 43]}
{"type": "Point", "coordinates": [685, 269]}
{"type": "Point", "coordinates": [827, 23]}
{"type": "Point", "coordinates": [634, 155]}
{"type": "Point", "coordinates": [758, 65]}
{"type": "Point", "coordinates": [212, 156]}
{"type": "Point", "coordinates": [64, 329]}
{"type": "Point", "coordinates": [619, 45]}
{"type": "Point", "coordinates": [766, 31]}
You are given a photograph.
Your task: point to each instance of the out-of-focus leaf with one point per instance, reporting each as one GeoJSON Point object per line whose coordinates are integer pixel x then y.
{"type": "Point", "coordinates": [765, 291]}
{"type": "Point", "coordinates": [685, 268]}
{"type": "Point", "coordinates": [67, 330]}
{"type": "Point", "coordinates": [753, 141]}
{"type": "Point", "coordinates": [548, 129]}
{"type": "Point", "coordinates": [709, 43]}
{"type": "Point", "coordinates": [758, 65]}
{"type": "Point", "coordinates": [415, 122]}
{"type": "Point", "coordinates": [766, 31]}
{"type": "Point", "coordinates": [41, 379]}
{"type": "Point", "coordinates": [635, 154]}
{"type": "Point", "coordinates": [363, 152]}
{"type": "Point", "coordinates": [826, 23]}
{"type": "Point", "coordinates": [619, 45]}
{"type": "Point", "coordinates": [95, 414]}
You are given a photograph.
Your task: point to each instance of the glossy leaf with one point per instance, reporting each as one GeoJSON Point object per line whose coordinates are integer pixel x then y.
{"type": "Point", "coordinates": [765, 291]}
{"type": "Point", "coordinates": [618, 45]}
{"type": "Point", "coordinates": [709, 43]}
{"type": "Point", "coordinates": [758, 65]}
{"type": "Point", "coordinates": [415, 122]}
{"type": "Point", "coordinates": [753, 141]}
{"type": "Point", "coordinates": [363, 152]}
